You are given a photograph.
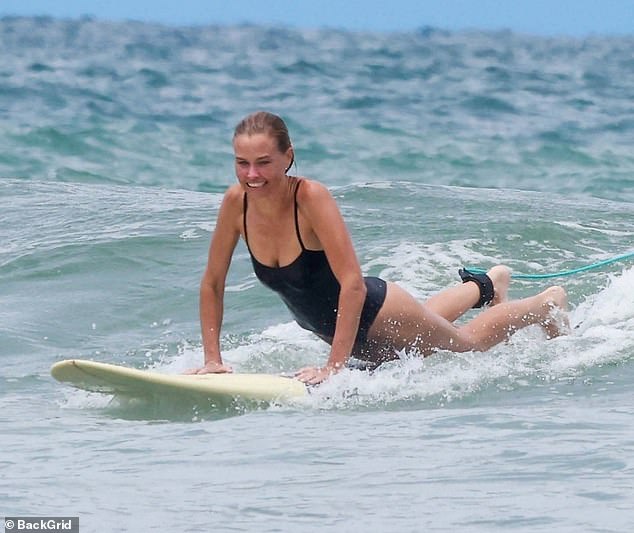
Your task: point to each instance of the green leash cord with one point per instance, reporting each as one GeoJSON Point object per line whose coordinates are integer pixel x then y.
{"type": "Point", "coordinates": [563, 273]}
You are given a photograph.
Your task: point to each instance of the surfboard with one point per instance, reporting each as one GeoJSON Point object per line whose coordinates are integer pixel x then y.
{"type": "Point", "coordinates": [129, 382]}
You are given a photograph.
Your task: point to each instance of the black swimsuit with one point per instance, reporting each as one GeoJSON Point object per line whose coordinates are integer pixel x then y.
{"type": "Point", "coordinates": [310, 289]}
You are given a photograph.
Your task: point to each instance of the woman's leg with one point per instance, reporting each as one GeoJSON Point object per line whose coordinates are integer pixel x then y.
{"type": "Point", "coordinates": [500, 322]}
{"type": "Point", "coordinates": [452, 303]}
{"type": "Point", "coordinates": [403, 322]}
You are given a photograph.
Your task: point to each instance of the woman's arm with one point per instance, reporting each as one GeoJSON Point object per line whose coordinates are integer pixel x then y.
{"type": "Point", "coordinates": [320, 208]}
{"type": "Point", "coordinates": [212, 286]}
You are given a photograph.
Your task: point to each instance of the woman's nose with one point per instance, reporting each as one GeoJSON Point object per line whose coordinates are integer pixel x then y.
{"type": "Point", "coordinates": [253, 172]}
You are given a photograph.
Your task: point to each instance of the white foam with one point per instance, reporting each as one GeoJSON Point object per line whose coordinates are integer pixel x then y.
{"type": "Point", "coordinates": [604, 326]}
{"type": "Point", "coordinates": [422, 268]}
{"type": "Point", "coordinates": [278, 349]}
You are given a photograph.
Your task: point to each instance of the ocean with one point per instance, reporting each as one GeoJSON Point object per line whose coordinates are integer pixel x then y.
{"type": "Point", "coordinates": [443, 149]}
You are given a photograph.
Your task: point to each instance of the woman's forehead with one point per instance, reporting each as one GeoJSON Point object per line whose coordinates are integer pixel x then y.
{"type": "Point", "coordinates": [258, 142]}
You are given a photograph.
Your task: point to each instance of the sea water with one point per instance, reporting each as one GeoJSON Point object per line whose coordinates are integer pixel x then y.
{"type": "Point", "coordinates": [442, 150]}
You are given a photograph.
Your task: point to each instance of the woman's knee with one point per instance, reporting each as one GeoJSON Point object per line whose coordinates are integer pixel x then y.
{"type": "Point", "coordinates": [469, 342]}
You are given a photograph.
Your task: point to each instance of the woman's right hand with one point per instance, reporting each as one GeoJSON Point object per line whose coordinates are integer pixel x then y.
{"type": "Point", "coordinates": [212, 367]}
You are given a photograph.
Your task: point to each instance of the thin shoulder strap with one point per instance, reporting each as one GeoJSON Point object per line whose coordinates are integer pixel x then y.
{"type": "Point", "coordinates": [244, 219]}
{"type": "Point", "coordinates": [299, 237]}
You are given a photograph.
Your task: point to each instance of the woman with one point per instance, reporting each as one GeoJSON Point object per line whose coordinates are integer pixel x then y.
{"type": "Point", "coordinates": [300, 247]}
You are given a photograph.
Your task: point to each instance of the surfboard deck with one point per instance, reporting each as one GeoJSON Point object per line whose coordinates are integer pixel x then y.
{"type": "Point", "coordinates": [129, 382]}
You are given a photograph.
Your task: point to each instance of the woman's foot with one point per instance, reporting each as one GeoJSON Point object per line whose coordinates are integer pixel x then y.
{"type": "Point", "coordinates": [501, 277]}
{"type": "Point", "coordinates": [555, 304]}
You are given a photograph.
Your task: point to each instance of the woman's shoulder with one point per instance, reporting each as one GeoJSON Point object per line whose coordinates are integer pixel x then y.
{"type": "Point", "coordinates": [312, 191]}
{"type": "Point", "coordinates": [232, 202]}
{"type": "Point", "coordinates": [234, 191]}
{"type": "Point", "coordinates": [234, 195]}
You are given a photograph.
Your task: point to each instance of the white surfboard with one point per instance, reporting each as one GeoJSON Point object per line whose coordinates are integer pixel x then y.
{"type": "Point", "coordinates": [133, 383]}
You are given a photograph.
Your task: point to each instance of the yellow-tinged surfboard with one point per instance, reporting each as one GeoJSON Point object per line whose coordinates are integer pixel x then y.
{"type": "Point", "coordinates": [134, 383]}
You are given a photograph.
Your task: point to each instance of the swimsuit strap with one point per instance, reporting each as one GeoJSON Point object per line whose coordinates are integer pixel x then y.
{"type": "Point", "coordinates": [299, 237]}
{"type": "Point", "coordinates": [244, 220]}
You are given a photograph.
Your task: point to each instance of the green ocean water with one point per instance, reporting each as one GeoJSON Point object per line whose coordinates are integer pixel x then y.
{"type": "Point", "coordinates": [442, 149]}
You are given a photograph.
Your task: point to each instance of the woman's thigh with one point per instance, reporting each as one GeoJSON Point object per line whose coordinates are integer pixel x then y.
{"type": "Point", "coordinates": [404, 322]}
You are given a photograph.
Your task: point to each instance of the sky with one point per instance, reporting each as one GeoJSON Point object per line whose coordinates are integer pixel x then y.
{"type": "Point", "coordinates": [541, 17]}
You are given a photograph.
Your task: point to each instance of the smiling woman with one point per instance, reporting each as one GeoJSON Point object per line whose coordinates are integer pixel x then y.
{"type": "Point", "coordinates": [265, 125]}
{"type": "Point", "coordinates": [300, 248]}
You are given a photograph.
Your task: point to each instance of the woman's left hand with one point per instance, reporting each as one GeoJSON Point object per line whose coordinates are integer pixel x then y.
{"type": "Point", "coordinates": [312, 375]}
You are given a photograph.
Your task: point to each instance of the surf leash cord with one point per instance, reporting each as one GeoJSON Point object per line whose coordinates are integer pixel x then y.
{"type": "Point", "coordinates": [564, 273]}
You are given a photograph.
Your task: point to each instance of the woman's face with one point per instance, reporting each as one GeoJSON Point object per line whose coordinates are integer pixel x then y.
{"type": "Point", "coordinates": [259, 163]}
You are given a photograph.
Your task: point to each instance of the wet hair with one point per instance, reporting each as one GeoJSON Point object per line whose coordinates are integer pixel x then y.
{"type": "Point", "coordinates": [268, 124]}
